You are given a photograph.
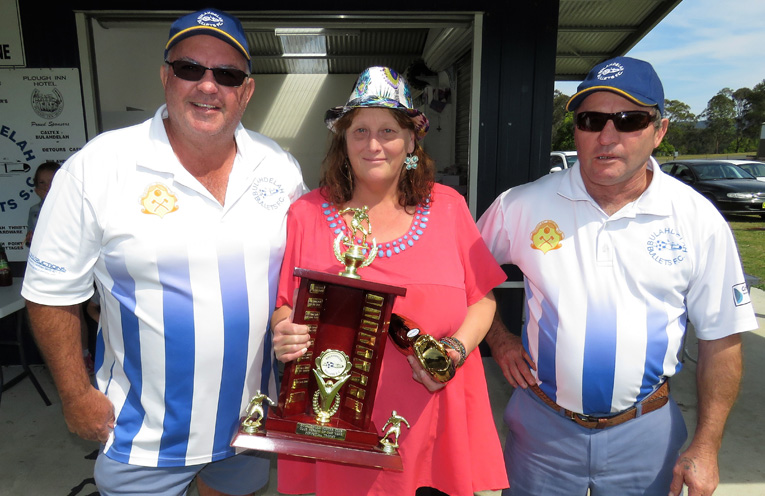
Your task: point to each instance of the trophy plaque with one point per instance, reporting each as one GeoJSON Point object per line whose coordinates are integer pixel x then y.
{"type": "Point", "coordinates": [326, 397]}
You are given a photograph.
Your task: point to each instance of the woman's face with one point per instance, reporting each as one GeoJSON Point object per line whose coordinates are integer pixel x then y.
{"type": "Point", "coordinates": [377, 146]}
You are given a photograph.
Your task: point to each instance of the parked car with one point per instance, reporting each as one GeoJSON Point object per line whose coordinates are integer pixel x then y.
{"type": "Point", "coordinates": [757, 169]}
{"type": "Point", "coordinates": [732, 189]}
{"type": "Point", "coordinates": [562, 160]}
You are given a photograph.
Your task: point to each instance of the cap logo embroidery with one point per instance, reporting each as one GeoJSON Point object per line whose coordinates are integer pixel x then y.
{"type": "Point", "coordinates": [611, 71]}
{"type": "Point", "coordinates": [546, 236]}
{"type": "Point", "coordinates": [159, 200]}
{"type": "Point", "coordinates": [210, 19]}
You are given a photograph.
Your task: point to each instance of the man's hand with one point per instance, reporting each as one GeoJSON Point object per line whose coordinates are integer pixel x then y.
{"type": "Point", "coordinates": [697, 470]}
{"type": "Point", "coordinates": [507, 350]}
{"type": "Point", "coordinates": [90, 416]}
{"type": "Point", "coordinates": [718, 374]}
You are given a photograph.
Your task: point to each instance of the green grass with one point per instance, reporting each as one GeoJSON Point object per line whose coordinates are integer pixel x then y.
{"type": "Point", "coordinates": [749, 232]}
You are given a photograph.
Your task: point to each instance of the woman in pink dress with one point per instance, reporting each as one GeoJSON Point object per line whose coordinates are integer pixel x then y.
{"type": "Point", "coordinates": [427, 243]}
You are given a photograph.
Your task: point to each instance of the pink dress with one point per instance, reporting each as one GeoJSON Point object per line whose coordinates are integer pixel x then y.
{"type": "Point", "coordinates": [444, 265]}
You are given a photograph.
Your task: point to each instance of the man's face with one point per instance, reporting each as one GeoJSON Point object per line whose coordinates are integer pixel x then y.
{"type": "Point", "coordinates": [610, 158]}
{"type": "Point", "coordinates": [204, 108]}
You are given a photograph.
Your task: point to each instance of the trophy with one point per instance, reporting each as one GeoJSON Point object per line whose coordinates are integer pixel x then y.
{"type": "Point", "coordinates": [326, 398]}
{"type": "Point", "coordinates": [431, 353]}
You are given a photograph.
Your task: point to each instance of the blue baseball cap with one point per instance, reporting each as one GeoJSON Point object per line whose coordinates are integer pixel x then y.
{"type": "Point", "coordinates": [211, 22]}
{"type": "Point", "coordinates": [633, 79]}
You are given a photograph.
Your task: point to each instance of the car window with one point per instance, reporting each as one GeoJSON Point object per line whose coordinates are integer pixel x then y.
{"type": "Point", "coordinates": [556, 161]}
{"type": "Point", "coordinates": [754, 169]}
{"type": "Point", "coordinates": [571, 159]}
{"type": "Point", "coordinates": [683, 172]}
{"type": "Point", "coordinates": [730, 171]}
{"type": "Point", "coordinates": [708, 171]}
{"type": "Point", "coordinates": [667, 167]}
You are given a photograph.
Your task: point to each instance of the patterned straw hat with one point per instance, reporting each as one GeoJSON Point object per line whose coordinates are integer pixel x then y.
{"type": "Point", "coordinates": [381, 87]}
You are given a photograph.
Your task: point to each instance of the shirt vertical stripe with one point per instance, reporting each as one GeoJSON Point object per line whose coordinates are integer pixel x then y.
{"type": "Point", "coordinates": [130, 419]}
{"type": "Point", "coordinates": [656, 349]}
{"type": "Point", "coordinates": [178, 322]}
{"type": "Point", "coordinates": [547, 335]}
{"type": "Point", "coordinates": [599, 359]}
{"type": "Point", "coordinates": [236, 327]}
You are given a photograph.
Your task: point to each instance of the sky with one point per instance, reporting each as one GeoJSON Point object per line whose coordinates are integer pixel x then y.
{"type": "Point", "coordinates": [701, 47]}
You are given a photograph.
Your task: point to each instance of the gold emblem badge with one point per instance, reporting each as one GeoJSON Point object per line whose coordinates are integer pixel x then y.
{"type": "Point", "coordinates": [158, 200]}
{"type": "Point", "coordinates": [546, 236]}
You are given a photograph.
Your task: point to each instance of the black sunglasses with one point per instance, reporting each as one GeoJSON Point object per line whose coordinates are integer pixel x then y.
{"type": "Point", "coordinates": [625, 122]}
{"type": "Point", "coordinates": [190, 71]}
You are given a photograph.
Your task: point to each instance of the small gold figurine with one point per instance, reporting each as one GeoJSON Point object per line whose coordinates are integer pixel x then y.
{"type": "Point", "coordinates": [353, 258]}
{"type": "Point", "coordinates": [390, 445]}
{"type": "Point", "coordinates": [251, 423]}
{"type": "Point", "coordinates": [360, 217]}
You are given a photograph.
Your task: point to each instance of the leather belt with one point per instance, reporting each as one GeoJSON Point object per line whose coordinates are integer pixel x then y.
{"type": "Point", "coordinates": [654, 401]}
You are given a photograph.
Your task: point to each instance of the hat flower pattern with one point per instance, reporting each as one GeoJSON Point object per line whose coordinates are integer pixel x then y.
{"type": "Point", "coordinates": [381, 87]}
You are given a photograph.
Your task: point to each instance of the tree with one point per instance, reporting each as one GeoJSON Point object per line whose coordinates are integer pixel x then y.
{"type": "Point", "coordinates": [563, 123]}
{"type": "Point", "coordinates": [720, 115]}
{"type": "Point", "coordinates": [682, 128]}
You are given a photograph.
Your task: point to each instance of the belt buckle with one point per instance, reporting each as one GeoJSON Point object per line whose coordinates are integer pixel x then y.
{"type": "Point", "coordinates": [582, 417]}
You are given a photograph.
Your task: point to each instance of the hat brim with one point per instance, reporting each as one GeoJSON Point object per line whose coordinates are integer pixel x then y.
{"type": "Point", "coordinates": [421, 123]}
{"type": "Point", "coordinates": [576, 100]}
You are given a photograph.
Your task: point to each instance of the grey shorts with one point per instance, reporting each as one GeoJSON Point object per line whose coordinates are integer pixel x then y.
{"type": "Point", "coordinates": [237, 475]}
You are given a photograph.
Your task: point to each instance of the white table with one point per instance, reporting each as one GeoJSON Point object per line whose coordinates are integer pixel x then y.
{"type": "Point", "coordinates": [11, 303]}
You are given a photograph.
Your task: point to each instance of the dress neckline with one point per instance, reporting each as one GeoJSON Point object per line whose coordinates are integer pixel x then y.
{"type": "Point", "coordinates": [389, 248]}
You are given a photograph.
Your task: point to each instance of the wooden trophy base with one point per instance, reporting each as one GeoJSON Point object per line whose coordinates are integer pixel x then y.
{"type": "Point", "coordinates": [324, 442]}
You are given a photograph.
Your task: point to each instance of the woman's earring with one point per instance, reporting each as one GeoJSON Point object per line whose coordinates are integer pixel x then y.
{"type": "Point", "coordinates": [410, 162]}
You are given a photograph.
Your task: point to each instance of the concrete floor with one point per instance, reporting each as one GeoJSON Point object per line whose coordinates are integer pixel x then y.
{"type": "Point", "coordinates": [39, 457]}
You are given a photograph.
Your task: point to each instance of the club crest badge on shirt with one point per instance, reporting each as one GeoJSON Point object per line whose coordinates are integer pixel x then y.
{"type": "Point", "coordinates": [268, 193]}
{"type": "Point", "coordinates": [159, 200]}
{"type": "Point", "coordinates": [546, 236]}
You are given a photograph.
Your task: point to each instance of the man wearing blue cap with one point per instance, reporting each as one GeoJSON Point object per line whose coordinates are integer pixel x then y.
{"type": "Point", "coordinates": [180, 221]}
{"type": "Point", "coordinates": [616, 261]}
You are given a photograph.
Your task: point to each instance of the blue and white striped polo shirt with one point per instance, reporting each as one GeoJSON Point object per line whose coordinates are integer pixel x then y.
{"type": "Point", "coordinates": [187, 286]}
{"type": "Point", "coordinates": [608, 298]}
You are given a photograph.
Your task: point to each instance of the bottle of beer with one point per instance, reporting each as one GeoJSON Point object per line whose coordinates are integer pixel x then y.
{"type": "Point", "coordinates": [6, 279]}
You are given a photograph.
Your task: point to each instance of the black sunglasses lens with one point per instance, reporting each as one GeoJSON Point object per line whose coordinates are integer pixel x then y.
{"type": "Point", "coordinates": [190, 71]}
{"type": "Point", "coordinates": [591, 121]}
{"type": "Point", "coordinates": [625, 122]}
{"type": "Point", "coordinates": [187, 70]}
{"type": "Point", "coordinates": [229, 77]}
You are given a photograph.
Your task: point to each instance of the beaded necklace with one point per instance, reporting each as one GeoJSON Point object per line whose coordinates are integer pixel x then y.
{"type": "Point", "coordinates": [416, 229]}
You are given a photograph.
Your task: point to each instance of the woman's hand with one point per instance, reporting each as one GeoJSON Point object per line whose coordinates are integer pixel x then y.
{"type": "Point", "coordinates": [422, 376]}
{"type": "Point", "coordinates": [290, 339]}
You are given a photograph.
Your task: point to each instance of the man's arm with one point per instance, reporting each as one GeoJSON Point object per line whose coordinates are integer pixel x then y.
{"type": "Point", "coordinates": [718, 375]}
{"type": "Point", "coordinates": [507, 350]}
{"type": "Point", "coordinates": [88, 413]}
